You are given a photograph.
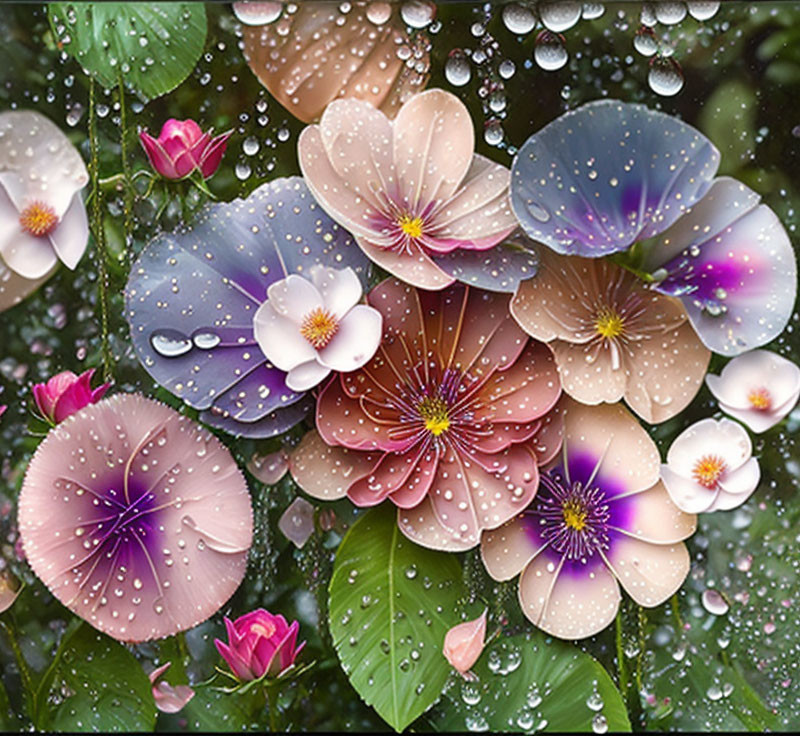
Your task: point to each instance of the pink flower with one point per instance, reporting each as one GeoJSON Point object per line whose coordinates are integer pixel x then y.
{"type": "Point", "coordinates": [709, 467]}
{"type": "Point", "coordinates": [182, 147]}
{"type": "Point", "coordinates": [3, 409]}
{"type": "Point", "coordinates": [259, 644]}
{"type": "Point", "coordinates": [600, 519]}
{"type": "Point", "coordinates": [412, 191]}
{"type": "Point", "coordinates": [310, 327]}
{"type": "Point", "coordinates": [9, 590]}
{"type": "Point", "coordinates": [464, 643]}
{"type": "Point", "coordinates": [65, 393]}
{"type": "Point", "coordinates": [758, 388]}
{"type": "Point", "coordinates": [169, 698]}
{"type": "Point", "coordinates": [450, 420]}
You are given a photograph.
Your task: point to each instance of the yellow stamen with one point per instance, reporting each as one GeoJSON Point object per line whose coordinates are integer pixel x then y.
{"type": "Point", "coordinates": [38, 219]}
{"type": "Point", "coordinates": [411, 226]}
{"type": "Point", "coordinates": [760, 399]}
{"type": "Point", "coordinates": [433, 411]}
{"type": "Point", "coordinates": [574, 515]}
{"type": "Point", "coordinates": [266, 630]}
{"type": "Point", "coordinates": [318, 327]}
{"type": "Point", "coordinates": [708, 470]}
{"type": "Point", "coordinates": [609, 323]}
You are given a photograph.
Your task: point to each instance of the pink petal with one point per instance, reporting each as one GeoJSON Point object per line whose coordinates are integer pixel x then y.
{"type": "Point", "coordinates": [686, 493]}
{"type": "Point", "coordinates": [655, 518]}
{"type": "Point", "coordinates": [417, 269]}
{"type": "Point", "coordinates": [392, 473]}
{"type": "Point", "coordinates": [649, 573]}
{"type": "Point", "coordinates": [464, 643]}
{"type": "Point", "coordinates": [568, 600]}
{"type": "Point", "coordinates": [506, 550]}
{"type": "Point", "coordinates": [158, 157]}
{"type": "Point", "coordinates": [324, 471]}
{"type": "Point", "coordinates": [30, 257]}
{"type": "Point", "coordinates": [71, 236]}
{"type": "Point", "coordinates": [340, 289]}
{"type": "Point", "coordinates": [279, 338]}
{"type": "Point", "coordinates": [307, 375]}
{"type": "Point", "coordinates": [421, 525]}
{"type": "Point", "coordinates": [433, 146]}
{"type": "Point", "coordinates": [722, 438]}
{"type": "Point", "coordinates": [739, 484]}
{"type": "Point", "coordinates": [213, 153]}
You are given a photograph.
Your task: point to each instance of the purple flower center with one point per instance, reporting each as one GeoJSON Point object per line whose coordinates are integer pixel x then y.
{"type": "Point", "coordinates": [573, 517]}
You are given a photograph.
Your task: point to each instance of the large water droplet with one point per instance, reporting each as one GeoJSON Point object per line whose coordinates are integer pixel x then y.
{"type": "Point", "coordinates": [549, 52]}
{"type": "Point", "coordinates": [702, 10]}
{"type": "Point", "coordinates": [518, 19]}
{"type": "Point", "coordinates": [670, 13]}
{"type": "Point", "coordinates": [417, 13]}
{"type": "Point", "coordinates": [714, 603]}
{"type": "Point", "coordinates": [645, 41]}
{"type": "Point", "coordinates": [170, 343]}
{"type": "Point", "coordinates": [457, 69]}
{"type": "Point", "coordinates": [560, 16]}
{"type": "Point", "coordinates": [205, 339]}
{"type": "Point", "coordinates": [665, 76]}
{"type": "Point", "coordinates": [257, 13]}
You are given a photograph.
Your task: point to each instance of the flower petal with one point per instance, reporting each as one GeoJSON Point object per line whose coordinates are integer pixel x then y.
{"type": "Point", "coordinates": [340, 289]}
{"type": "Point", "coordinates": [28, 256]}
{"type": "Point", "coordinates": [655, 518]}
{"type": "Point", "coordinates": [686, 493]}
{"type": "Point", "coordinates": [294, 297]}
{"type": "Point", "coordinates": [739, 484]}
{"type": "Point", "coordinates": [417, 269]}
{"type": "Point", "coordinates": [307, 375]}
{"type": "Point", "coordinates": [433, 147]}
{"type": "Point", "coordinates": [279, 338]}
{"type": "Point", "coordinates": [356, 340]}
{"type": "Point", "coordinates": [601, 177]}
{"type": "Point", "coordinates": [421, 525]}
{"type": "Point", "coordinates": [506, 550]}
{"type": "Point", "coordinates": [568, 600]}
{"type": "Point", "coordinates": [326, 472]}
{"type": "Point", "coordinates": [71, 236]}
{"type": "Point", "coordinates": [649, 573]}
{"type": "Point", "coordinates": [720, 438]}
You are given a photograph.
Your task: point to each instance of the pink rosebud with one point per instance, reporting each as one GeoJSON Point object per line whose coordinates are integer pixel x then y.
{"type": "Point", "coordinates": [169, 698]}
{"type": "Point", "coordinates": [182, 147]}
{"type": "Point", "coordinates": [464, 643]}
{"type": "Point", "coordinates": [65, 393]}
{"type": "Point", "coordinates": [258, 644]}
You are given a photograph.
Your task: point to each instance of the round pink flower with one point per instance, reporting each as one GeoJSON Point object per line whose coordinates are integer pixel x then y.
{"type": "Point", "coordinates": [136, 518]}
{"type": "Point", "coordinates": [613, 338]}
{"type": "Point", "coordinates": [410, 190]}
{"type": "Point", "coordinates": [42, 214]}
{"type": "Point", "coordinates": [758, 388]}
{"type": "Point", "coordinates": [709, 467]}
{"type": "Point", "coordinates": [310, 327]}
{"type": "Point", "coordinates": [259, 643]}
{"type": "Point", "coordinates": [450, 420]}
{"type": "Point", "coordinates": [601, 518]}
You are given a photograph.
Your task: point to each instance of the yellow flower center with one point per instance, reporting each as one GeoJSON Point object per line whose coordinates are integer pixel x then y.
{"type": "Point", "coordinates": [708, 470]}
{"type": "Point", "coordinates": [318, 327]}
{"type": "Point", "coordinates": [433, 411]}
{"type": "Point", "coordinates": [38, 219]}
{"type": "Point", "coordinates": [760, 399]}
{"type": "Point", "coordinates": [609, 323]}
{"type": "Point", "coordinates": [574, 515]}
{"type": "Point", "coordinates": [266, 629]}
{"type": "Point", "coordinates": [411, 226]}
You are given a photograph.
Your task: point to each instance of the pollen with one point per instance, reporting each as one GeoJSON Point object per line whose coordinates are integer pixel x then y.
{"type": "Point", "coordinates": [708, 470]}
{"type": "Point", "coordinates": [318, 327]}
{"type": "Point", "coordinates": [760, 399]}
{"type": "Point", "coordinates": [38, 219]}
{"type": "Point", "coordinates": [411, 226]}
{"type": "Point", "coordinates": [433, 411]}
{"type": "Point", "coordinates": [574, 515]}
{"type": "Point", "coordinates": [609, 323]}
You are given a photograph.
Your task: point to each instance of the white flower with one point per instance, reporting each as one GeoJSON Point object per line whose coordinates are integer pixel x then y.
{"type": "Point", "coordinates": [758, 388]}
{"type": "Point", "coordinates": [710, 468]}
{"type": "Point", "coordinates": [310, 328]}
{"type": "Point", "coordinates": [42, 217]}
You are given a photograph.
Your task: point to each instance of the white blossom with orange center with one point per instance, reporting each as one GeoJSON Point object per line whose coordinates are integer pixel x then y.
{"type": "Point", "coordinates": [613, 338]}
{"type": "Point", "coordinates": [709, 467]}
{"type": "Point", "coordinates": [758, 388]}
{"type": "Point", "coordinates": [311, 326]}
{"type": "Point", "coordinates": [42, 217]}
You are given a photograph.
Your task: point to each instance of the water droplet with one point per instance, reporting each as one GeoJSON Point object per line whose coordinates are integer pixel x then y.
{"type": "Point", "coordinates": [379, 12]}
{"type": "Point", "coordinates": [665, 76]}
{"type": "Point", "coordinates": [170, 343]}
{"type": "Point", "coordinates": [560, 16]}
{"type": "Point", "coordinates": [600, 723]}
{"type": "Point", "coordinates": [549, 52]}
{"type": "Point", "coordinates": [257, 13]}
{"type": "Point", "coordinates": [417, 13]}
{"type": "Point", "coordinates": [205, 339]}
{"type": "Point", "coordinates": [670, 13]}
{"type": "Point", "coordinates": [645, 42]}
{"type": "Point", "coordinates": [701, 10]}
{"type": "Point", "coordinates": [518, 19]}
{"type": "Point", "coordinates": [457, 68]}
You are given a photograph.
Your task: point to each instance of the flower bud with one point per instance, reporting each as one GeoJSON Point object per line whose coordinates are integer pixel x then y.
{"type": "Point", "coordinates": [182, 148]}
{"type": "Point", "coordinates": [464, 643]}
{"type": "Point", "coordinates": [65, 393]}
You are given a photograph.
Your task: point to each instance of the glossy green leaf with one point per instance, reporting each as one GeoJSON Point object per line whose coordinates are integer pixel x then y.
{"type": "Point", "coordinates": [528, 683]}
{"type": "Point", "coordinates": [94, 684]}
{"type": "Point", "coordinates": [153, 46]}
{"type": "Point", "coordinates": [391, 603]}
{"type": "Point", "coordinates": [212, 710]}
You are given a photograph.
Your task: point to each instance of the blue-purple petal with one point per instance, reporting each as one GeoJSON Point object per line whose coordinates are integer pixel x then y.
{"type": "Point", "coordinates": [599, 178]}
{"type": "Point", "coordinates": [501, 268]}
{"type": "Point", "coordinates": [271, 425]}
{"type": "Point", "coordinates": [737, 277]}
{"type": "Point", "coordinates": [192, 295]}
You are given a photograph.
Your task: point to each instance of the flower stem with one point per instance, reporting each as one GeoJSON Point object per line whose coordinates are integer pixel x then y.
{"type": "Point", "coordinates": [101, 255]}
{"type": "Point", "coordinates": [622, 668]}
{"type": "Point", "coordinates": [676, 613]}
{"type": "Point", "coordinates": [272, 699]}
{"type": "Point", "coordinates": [10, 629]}
{"type": "Point", "coordinates": [126, 171]}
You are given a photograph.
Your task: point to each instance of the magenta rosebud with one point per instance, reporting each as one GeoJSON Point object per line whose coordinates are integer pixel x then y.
{"type": "Point", "coordinates": [65, 393]}
{"type": "Point", "coordinates": [259, 644]}
{"type": "Point", "coordinates": [3, 409]}
{"type": "Point", "coordinates": [182, 148]}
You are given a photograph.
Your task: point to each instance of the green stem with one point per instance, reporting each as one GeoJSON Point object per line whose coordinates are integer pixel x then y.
{"type": "Point", "coordinates": [10, 630]}
{"type": "Point", "coordinates": [272, 698]}
{"type": "Point", "coordinates": [101, 256]}
{"type": "Point", "coordinates": [128, 192]}
{"type": "Point", "coordinates": [676, 613]}
{"type": "Point", "coordinates": [622, 667]}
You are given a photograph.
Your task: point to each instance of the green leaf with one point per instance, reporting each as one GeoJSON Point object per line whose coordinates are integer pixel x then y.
{"type": "Point", "coordinates": [531, 682]}
{"type": "Point", "coordinates": [211, 710]}
{"type": "Point", "coordinates": [153, 46]}
{"type": "Point", "coordinates": [95, 684]}
{"type": "Point", "coordinates": [728, 118]}
{"type": "Point", "coordinates": [391, 603]}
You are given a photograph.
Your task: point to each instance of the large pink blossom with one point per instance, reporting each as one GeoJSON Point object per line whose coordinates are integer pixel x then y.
{"type": "Point", "coordinates": [450, 420]}
{"type": "Point", "coordinates": [411, 191]}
